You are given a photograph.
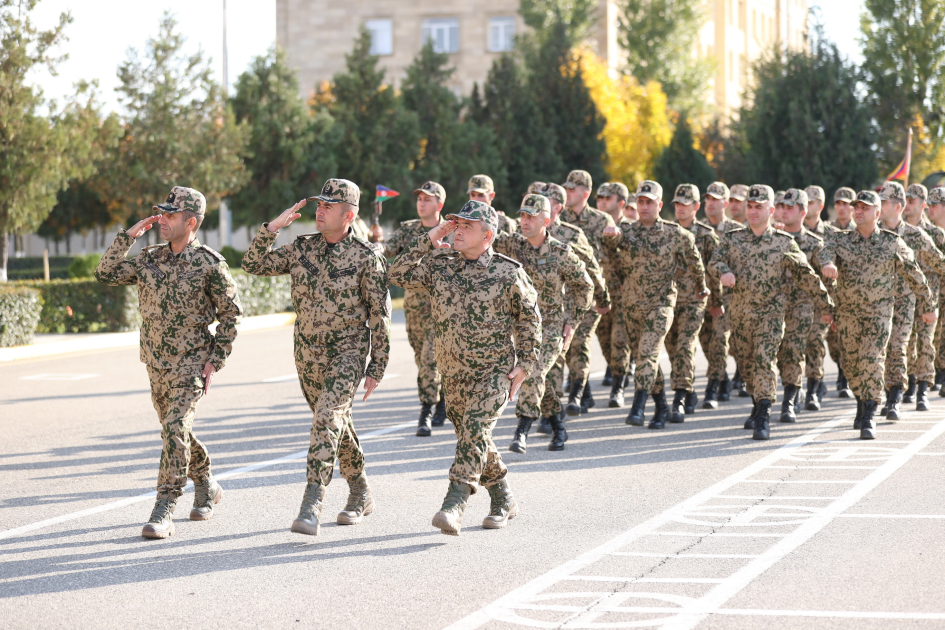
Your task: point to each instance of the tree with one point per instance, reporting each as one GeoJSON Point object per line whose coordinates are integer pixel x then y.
{"type": "Point", "coordinates": [79, 208]}
{"type": "Point", "coordinates": [682, 163]}
{"type": "Point", "coordinates": [661, 40]}
{"type": "Point", "coordinates": [903, 62]}
{"type": "Point", "coordinates": [290, 150]}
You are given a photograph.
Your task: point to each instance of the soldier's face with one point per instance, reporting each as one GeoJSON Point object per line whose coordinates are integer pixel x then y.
{"type": "Point", "coordinates": [937, 213]}
{"type": "Point", "coordinates": [470, 236]}
{"type": "Point", "coordinates": [534, 224]}
{"type": "Point", "coordinates": [914, 208]}
{"type": "Point", "coordinates": [890, 210]}
{"type": "Point", "coordinates": [865, 214]}
{"type": "Point", "coordinates": [173, 226]}
{"type": "Point", "coordinates": [814, 208]}
{"type": "Point", "coordinates": [715, 208]}
{"type": "Point", "coordinates": [739, 209]}
{"type": "Point", "coordinates": [577, 196]}
{"type": "Point", "coordinates": [481, 196]}
{"type": "Point", "coordinates": [686, 212]}
{"type": "Point", "coordinates": [427, 205]}
{"type": "Point", "coordinates": [631, 213]}
{"type": "Point", "coordinates": [844, 211]}
{"type": "Point", "coordinates": [792, 216]}
{"type": "Point", "coordinates": [648, 210]}
{"type": "Point", "coordinates": [758, 213]}
{"type": "Point", "coordinates": [555, 209]}
{"type": "Point", "coordinates": [332, 218]}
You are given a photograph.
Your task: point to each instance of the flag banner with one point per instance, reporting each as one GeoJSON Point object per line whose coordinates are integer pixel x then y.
{"type": "Point", "coordinates": [384, 193]}
{"type": "Point", "coordinates": [902, 171]}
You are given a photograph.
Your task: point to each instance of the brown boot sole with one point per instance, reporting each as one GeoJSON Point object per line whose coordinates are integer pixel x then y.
{"type": "Point", "coordinates": [441, 520]}
{"type": "Point", "coordinates": [197, 515]}
{"type": "Point", "coordinates": [491, 523]}
{"type": "Point", "coordinates": [344, 519]}
{"type": "Point", "coordinates": [305, 527]}
{"type": "Point", "coordinates": [148, 531]}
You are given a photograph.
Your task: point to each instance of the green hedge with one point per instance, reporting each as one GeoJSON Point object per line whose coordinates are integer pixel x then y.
{"type": "Point", "coordinates": [31, 267]}
{"type": "Point", "coordinates": [263, 295]}
{"type": "Point", "coordinates": [20, 308]}
{"type": "Point", "coordinates": [81, 306]}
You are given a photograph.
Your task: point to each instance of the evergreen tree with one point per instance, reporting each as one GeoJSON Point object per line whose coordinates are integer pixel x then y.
{"type": "Point", "coordinates": [681, 163]}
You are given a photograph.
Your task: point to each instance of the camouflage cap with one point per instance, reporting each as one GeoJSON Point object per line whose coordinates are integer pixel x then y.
{"type": "Point", "coordinates": [339, 191]}
{"type": "Point", "coordinates": [579, 178]}
{"type": "Point", "coordinates": [779, 196]}
{"type": "Point", "coordinates": [937, 195]}
{"type": "Point", "coordinates": [477, 211]}
{"type": "Point", "coordinates": [181, 199]}
{"type": "Point", "coordinates": [760, 193]}
{"type": "Point", "coordinates": [621, 190]}
{"type": "Point", "coordinates": [535, 204]}
{"type": "Point", "coordinates": [869, 197]}
{"type": "Point", "coordinates": [554, 191]}
{"type": "Point", "coordinates": [845, 194]}
{"type": "Point", "coordinates": [632, 200]}
{"type": "Point", "coordinates": [433, 189]}
{"type": "Point", "coordinates": [535, 188]}
{"type": "Point", "coordinates": [480, 183]}
{"type": "Point", "coordinates": [686, 193]}
{"type": "Point", "coordinates": [604, 190]}
{"type": "Point", "coordinates": [739, 192]}
{"type": "Point", "coordinates": [892, 190]}
{"type": "Point", "coordinates": [917, 191]}
{"type": "Point", "coordinates": [718, 190]}
{"type": "Point", "coordinates": [650, 189]}
{"type": "Point", "coordinates": [815, 193]}
{"type": "Point", "coordinates": [795, 197]}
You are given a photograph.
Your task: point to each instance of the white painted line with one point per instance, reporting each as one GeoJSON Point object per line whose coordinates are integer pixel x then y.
{"type": "Point", "coordinates": [791, 481]}
{"type": "Point", "coordinates": [827, 467]}
{"type": "Point", "coordinates": [717, 534]}
{"type": "Point", "coordinates": [57, 377]}
{"type": "Point", "coordinates": [766, 498]}
{"type": "Point", "coordinates": [639, 580]}
{"type": "Point", "coordinates": [671, 610]}
{"type": "Point", "coordinates": [932, 454]}
{"type": "Point", "coordinates": [648, 554]}
{"type": "Point", "coordinates": [114, 505]}
{"type": "Point", "coordinates": [935, 516]}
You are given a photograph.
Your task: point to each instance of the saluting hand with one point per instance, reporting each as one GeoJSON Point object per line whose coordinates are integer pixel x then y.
{"type": "Point", "coordinates": [142, 226]}
{"type": "Point", "coordinates": [440, 232]}
{"type": "Point", "coordinates": [287, 217]}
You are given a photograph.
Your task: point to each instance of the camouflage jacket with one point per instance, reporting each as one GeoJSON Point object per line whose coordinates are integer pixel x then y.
{"type": "Point", "coordinates": [480, 307]}
{"type": "Point", "coordinates": [592, 222]}
{"type": "Point", "coordinates": [506, 224]}
{"type": "Point", "coordinates": [937, 233]}
{"type": "Point", "coordinates": [551, 268]}
{"type": "Point", "coordinates": [706, 242]}
{"type": "Point", "coordinates": [869, 270]}
{"type": "Point", "coordinates": [725, 225]}
{"type": "Point", "coordinates": [574, 236]}
{"type": "Point", "coordinates": [179, 295]}
{"type": "Point", "coordinates": [360, 229]}
{"type": "Point", "coordinates": [811, 245]}
{"type": "Point", "coordinates": [930, 259]}
{"type": "Point", "coordinates": [607, 267]}
{"type": "Point", "coordinates": [417, 302]}
{"type": "Point", "coordinates": [338, 291]}
{"type": "Point", "coordinates": [763, 266]}
{"type": "Point", "coordinates": [647, 260]}
{"type": "Point", "coordinates": [839, 228]}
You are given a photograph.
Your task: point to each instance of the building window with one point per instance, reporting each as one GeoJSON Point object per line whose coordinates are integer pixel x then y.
{"type": "Point", "coordinates": [444, 33]}
{"type": "Point", "coordinates": [501, 34]}
{"type": "Point", "coordinates": [382, 40]}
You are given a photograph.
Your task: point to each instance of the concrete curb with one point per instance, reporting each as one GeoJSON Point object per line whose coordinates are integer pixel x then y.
{"type": "Point", "coordinates": [106, 341]}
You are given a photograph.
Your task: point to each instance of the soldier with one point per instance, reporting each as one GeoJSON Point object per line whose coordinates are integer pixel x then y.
{"type": "Point", "coordinates": [360, 229]}
{"type": "Point", "coordinates": [816, 198]}
{"type": "Point", "coordinates": [183, 287]}
{"type": "Point", "coordinates": [754, 262]}
{"type": "Point", "coordinates": [630, 210]}
{"type": "Point", "coordinates": [482, 189]}
{"type": "Point", "coordinates": [535, 188]}
{"type": "Point", "coordinates": [612, 199]}
{"type": "Point", "coordinates": [551, 266]}
{"type": "Point", "coordinates": [430, 199]}
{"type": "Point", "coordinates": [714, 335]}
{"type": "Point", "coordinates": [647, 254]}
{"type": "Point", "coordinates": [936, 208]}
{"type": "Point", "coordinates": [868, 264]}
{"type": "Point", "coordinates": [592, 221]}
{"type": "Point", "coordinates": [488, 334]}
{"type": "Point", "coordinates": [690, 311]}
{"type": "Point", "coordinates": [738, 204]}
{"type": "Point", "coordinates": [342, 307]}
{"type": "Point", "coordinates": [843, 201]}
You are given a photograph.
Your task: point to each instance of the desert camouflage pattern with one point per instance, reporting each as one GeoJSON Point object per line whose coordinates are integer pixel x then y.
{"type": "Point", "coordinates": [433, 189]}
{"type": "Point", "coordinates": [892, 190]}
{"type": "Point", "coordinates": [611, 332]}
{"type": "Point", "coordinates": [936, 195]}
{"type": "Point", "coordinates": [714, 335]}
{"type": "Point", "coordinates": [845, 194]}
{"type": "Point", "coordinates": [536, 188]}
{"type": "Point", "coordinates": [739, 192]}
{"type": "Point", "coordinates": [339, 191]}
{"type": "Point", "coordinates": [761, 193]}
{"type": "Point", "coordinates": [917, 191]}
{"type": "Point", "coordinates": [799, 315]}
{"type": "Point", "coordinates": [686, 194]}
{"type": "Point", "coordinates": [720, 191]}
{"type": "Point", "coordinates": [480, 183]}
{"type": "Point", "coordinates": [815, 193]}
{"type": "Point", "coordinates": [181, 199]}
{"type": "Point", "coordinates": [554, 191]}
{"type": "Point", "coordinates": [592, 222]}
{"type": "Point", "coordinates": [579, 178]}
{"type": "Point", "coordinates": [924, 340]}
{"type": "Point", "coordinates": [478, 211]}
{"type": "Point", "coordinates": [534, 204]}
{"type": "Point", "coordinates": [794, 197]}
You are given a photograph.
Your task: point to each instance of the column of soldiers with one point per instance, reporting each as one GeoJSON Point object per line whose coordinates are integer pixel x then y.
{"type": "Point", "coordinates": [496, 308]}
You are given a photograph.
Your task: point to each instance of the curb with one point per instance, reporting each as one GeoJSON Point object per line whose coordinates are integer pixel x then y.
{"type": "Point", "coordinates": [106, 341]}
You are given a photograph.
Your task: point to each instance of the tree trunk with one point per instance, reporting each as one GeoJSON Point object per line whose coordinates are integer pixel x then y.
{"type": "Point", "coordinates": [4, 242]}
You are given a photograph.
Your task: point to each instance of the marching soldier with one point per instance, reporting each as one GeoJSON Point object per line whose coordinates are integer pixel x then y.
{"type": "Point", "coordinates": [630, 210]}
{"type": "Point", "coordinates": [342, 307]}
{"type": "Point", "coordinates": [843, 201]}
{"type": "Point", "coordinates": [183, 287]}
{"type": "Point", "coordinates": [482, 189]}
{"type": "Point", "coordinates": [816, 198]}
{"type": "Point", "coordinates": [936, 207]}
{"type": "Point", "coordinates": [612, 198]}
{"type": "Point", "coordinates": [738, 204]}
{"type": "Point", "coordinates": [488, 334]}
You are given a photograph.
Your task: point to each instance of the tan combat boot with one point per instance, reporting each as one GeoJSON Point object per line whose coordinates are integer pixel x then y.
{"type": "Point", "coordinates": [308, 521]}
{"type": "Point", "coordinates": [161, 523]}
{"type": "Point", "coordinates": [360, 502]}
{"type": "Point", "coordinates": [504, 507]}
{"type": "Point", "coordinates": [450, 517]}
{"type": "Point", "coordinates": [207, 493]}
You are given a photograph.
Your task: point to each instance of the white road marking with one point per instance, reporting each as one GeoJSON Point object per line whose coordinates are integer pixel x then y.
{"type": "Point", "coordinates": [114, 505]}
{"type": "Point", "coordinates": [57, 377]}
{"type": "Point", "coordinates": [938, 516]}
{"type": "Point", "coordinates": [295, 377]}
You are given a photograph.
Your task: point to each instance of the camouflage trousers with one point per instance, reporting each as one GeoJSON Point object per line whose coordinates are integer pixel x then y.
{"type": "Point", "coordinates": [834, 347]}
{"type": "Point", "coordinates": [898, 345]}
{"type": "Point", "coordinates": [474, 408]}
{"type": "Point", "coordinates": [798, 319]}
{"type": "Point", "coordinates": [816, 348]}
{"type": "Point", "coordinates": [681, 343]}
{"type": "Point", "coordinates": [646, 330]}
{"type": "Point", "coordinates": [612, 335]}
{"type": "Point", "coordinates": [921, 351]}
{"type": "Point", "coordinates": [579, 354]}
{"type": "Point", "coordinates": [939, 340]}
{"type": "Point", "coordinates": [420, 335]}
{"type": "Point", "coordinates": [714, 338]}
{"type": "Point", "coordinates": [536, 397]}
{"type": "Point", "coordinates": [329, 384]}
{"type": "Point", "coordinates": [863, 340]}
{"type": "Point", "coordinates": [175, 396]}
{"type": "Point", "coordinates": [756, 339]}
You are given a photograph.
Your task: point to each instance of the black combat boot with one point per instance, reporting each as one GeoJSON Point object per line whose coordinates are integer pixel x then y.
{"type": "Point", "coordinates": [939, 381]}
{"type": "Point", "coordinates": [439, 412]}
{"type": "Point", "coordinates": [812, 403]}
{"type": "Point", "coordinates": [587, 398]}
{"type": "Point", "coordinates": [922, 396]}
{"type": "Point", "coordinates": [711, 401]}
{"type": "Point", "coordinates": [885, 408]}
{"type": "Point", "coordinates": [616, 392]}
{"type": "Point", "coordinates": [661, 414]}
{"type": "Point", "coordinates": [678, 411]}
{"type": "Point", "coordinates": [843, 388]}
{"type": "Point", "coordinates": [737, 383]}
{"type": "Point", "coordinates": [608, 378]}
{"type": "Point", "coordinates": [867, 422]}
{"type": "Point", "coordinates": [762, 420]}
{"type": "Point", "coordinates": [725, 388]}
{"type": "Point", "coordinates": [750, 423]}
{"type": "Point", "coordinates": [893, 398]}
{"type": "Point", "coordinates": [787, 405]}
{"type": "Point", "coordinates": [573, 407]}
{"type": "Point", "coordinates": [858, 419]}
{"type": "Point", "coordinates": [635, 417]}
{"type": "Point", "coordinates": [544, 425]}
{"type": "Point", "coordinates": [909, 395]}
{"type": "Point", "coordinates": [690, 402]}
{"type": "Point", "coordinates": [559, 435]}
{"type": "Point", "coordinates": [426, 421]}
{"type": "Point", "coordinates": [518, 444]}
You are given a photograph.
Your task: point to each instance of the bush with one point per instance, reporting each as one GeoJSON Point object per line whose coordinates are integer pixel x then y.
{"type": "Point", "coordinates": [20, 308]}
{"type": "Point", "coordinates": [84, 266]}
{"type": "Point", "coordinates": [31, 267]}
{"type": "Point", "coordinates": [234, 257]}
{"type": "Point", "coordinates": [79, 306]}
{"type": "Point", "coordinates": [261, 295]}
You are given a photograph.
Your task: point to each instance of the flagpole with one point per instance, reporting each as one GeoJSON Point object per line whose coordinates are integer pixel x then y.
{"type": "Point", "coordinates": [908, 158]}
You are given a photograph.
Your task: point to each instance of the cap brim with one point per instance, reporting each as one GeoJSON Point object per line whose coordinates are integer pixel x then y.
{"type": "Point", "coordinates": [167, 208]}
{"type": "Point", "coordinates": [714, 195]}
{"type": "Point", "coordinates": [485, 191]}
{"type": "Point", "coordinates": [735, 197]}
{"type": "Point", "coordinates": [681, 200]}
{"type": "Point", "coordinates": [325, 199]}
{"type": "Point", "coordinates": [569, 185]}
{"type": "Point", "coordinates": [530, 211]}
{"type": "Point", "coordinates": [648, 195]}
{"type": "Point", "coordinates": [456, 217]}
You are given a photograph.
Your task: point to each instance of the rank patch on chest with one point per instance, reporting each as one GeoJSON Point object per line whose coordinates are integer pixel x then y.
{"type": "Point", "coordinates": [312, 269]}
{"type": "Point", "coordinates": [160, 274]}
{"type": "Point", "coordinates": [350, 271]}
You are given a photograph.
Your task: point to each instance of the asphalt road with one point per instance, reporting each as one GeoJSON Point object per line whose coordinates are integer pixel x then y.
{"type": "Point", "coordinates": [693, 526]}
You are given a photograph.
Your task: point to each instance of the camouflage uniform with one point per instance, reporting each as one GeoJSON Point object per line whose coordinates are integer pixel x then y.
{"type": "Point", "coordinates": [179, 295]}
{"type": "Point", "coordinates": [937, 196]}
{"type": "Point", "coordinates": [360, 229]}
{"type": "Point", "coordinates": [833, 338]}
{"type": "Point", "coordinates": [479, 307]}
{"type": "Point", "coordinates": [484, 184]}
{"type": "Point", "coordinates": [611, 332]}
{"type": "Point", "coordinates": [715, 331]}
{"type": "Point", "coordinates": [342, 307]}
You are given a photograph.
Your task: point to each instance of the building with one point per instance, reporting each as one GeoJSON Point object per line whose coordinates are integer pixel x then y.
{"type": "Point", "coordinates": [318, 33]}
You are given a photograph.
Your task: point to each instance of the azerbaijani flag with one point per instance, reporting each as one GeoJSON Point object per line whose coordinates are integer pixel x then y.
{"type": "Point", "coordinates": [384, 193]}
{"type": "Point", "coordinates": [902, 171]}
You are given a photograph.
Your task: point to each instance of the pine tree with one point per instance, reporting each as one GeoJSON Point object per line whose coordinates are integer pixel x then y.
{"type": "Point", "coordinates": [681, 163]}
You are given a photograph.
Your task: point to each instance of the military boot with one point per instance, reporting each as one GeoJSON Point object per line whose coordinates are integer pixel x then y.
{"type": "Point", "coordinates": [616, 392]}
{"type": "Point", "coordinates": [858, 419]}
{"type": "Point", "coordinates": [161, 523]}
{"type": "Point", "coordinates": [635, 417]}
{"type": "Point", "coordinates": [559, 435]}
{"type": "Point", "coordinates": [521, 434]}
{"type": "Point", "coordinates": [439, 412]}
{"type": "Point", "coordinates": [909, 395]}
{"type": "Point", "coordinates": [885, 408]}
{"type": "Point", "coordinates": [309, 519]}
{"type": "Point", "coordinates": [207, 493]}
{"type": "Point", "coordinates": [939, 381]}
{"type": "Point", "coordinates": [750, 423]}
{"type": "Point", "coordinates": [843, 388]}
{"type": "Point", "coordinates": [502, 508]}
{"type": "Point", "coordinates": [690, 402]}
{"type": "Point", "coordinates": [725, 388]}
{"type": "Point", "coordinates": [661, 413]}
{"type": "Point", "coordinates": [678, 410]}
{"type": "Point", "coordinates": [608, 378]}
{"type": "Point", "coordinates": [587, 398]}
{"type": "Point", "coordinates": [450, 517]}
{"type": "Point", "coordinates": [573, 407]}
{"type": "Point", "coordinates": [867, 422]}
{"type": "Point", "coordinates": [893, 398]}
{"type": "Point", "coordinates": [425, 424]}
{"type": "Point", "coordinates": [787, 405]}
{"type": "Point", "coordinates": [711, 400]}
{"type": "Point", "coordinates": [922, 396]}
{"type": "Point", "coordinates": [544, 425]}
{"type": "Point", "coordinates": [360, 502]}
{"type": "Point", "coordinates": [628, 377]}
{"type": "Point", "coordinates": [762, 420]}
{"type": "Point", "coordinates": [812, 403]}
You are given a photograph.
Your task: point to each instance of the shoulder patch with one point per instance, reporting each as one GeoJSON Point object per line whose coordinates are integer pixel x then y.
{"type": "Point", "coordinates": [150, 247]}
{"type": "Point", "coordinates": [889, 232]}
{"type": "Point", "coordinates": [409, 223]}
{"type": "Point", "coordinates": [704, 226]}
{"type": "Point", "coordinates": [363, 243]}
{"type": "Point", "coordinates": [313, 235]}
{"type": "Point", "coordinates": [213, 253]}
{"type": "Point", "coordinates": [571, 227]}
{"type": "Point", "coordinates": [507, 259]}
{"type": "Point", "coordinates": [783, 233]}
{"type": "Point", "coordinates": [736, 230]}
{"type": "Point", "coordinates": [815, 236]}
{"type": "Point", "coordinates": [559, 245]}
